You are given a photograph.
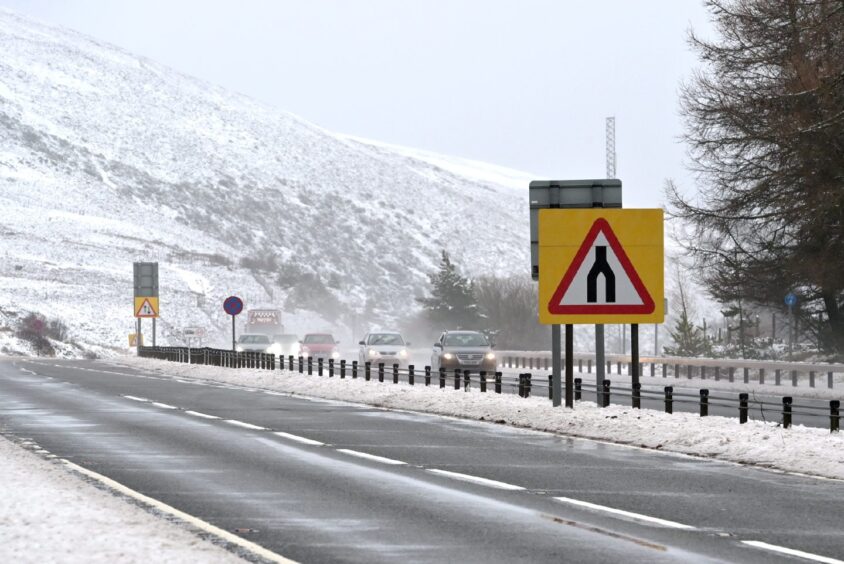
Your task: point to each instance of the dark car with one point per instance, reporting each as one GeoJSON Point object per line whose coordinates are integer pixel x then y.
{"type": "Point", "coordinates": [466, 350]}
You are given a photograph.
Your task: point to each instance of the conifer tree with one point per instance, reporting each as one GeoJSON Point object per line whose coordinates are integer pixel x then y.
{"type": "Point", "coordinates": [452, 304]}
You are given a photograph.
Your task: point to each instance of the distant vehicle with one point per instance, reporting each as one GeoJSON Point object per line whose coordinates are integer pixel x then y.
{"type": "Point", "coordinates": [264, 321]}
{"type": "Point", "coordinates": [285, 344]}
{"type": "Point", "coordinates": [252, 342]}
{"type": "Point", "coordinates": [320, 345]}
{"type": "Point", "coordinates": [388, 347]}
{"type": "Point", "coordinates": [466, 350]}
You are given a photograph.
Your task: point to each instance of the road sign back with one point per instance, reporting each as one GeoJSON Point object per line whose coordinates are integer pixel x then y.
{"type": "Point", "coordinates": [600, 266]}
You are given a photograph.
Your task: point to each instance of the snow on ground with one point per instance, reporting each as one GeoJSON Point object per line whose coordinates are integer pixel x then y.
{"type": "Point", "coordinates": [798, 449]}
{"type": "Point", "coordinates": [51, 515]}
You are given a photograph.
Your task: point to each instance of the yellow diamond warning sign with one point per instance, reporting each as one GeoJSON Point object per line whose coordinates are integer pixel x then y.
{"type": "Point", "coordinates": [146, 307]}
{"type": "Point", "coordinates": [600, 266]}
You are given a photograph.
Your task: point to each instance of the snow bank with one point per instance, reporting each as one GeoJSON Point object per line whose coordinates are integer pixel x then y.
{"type": "Point", "coordinates": [798, 449]}
{"type": "Point", "coordinates": [50, 515]}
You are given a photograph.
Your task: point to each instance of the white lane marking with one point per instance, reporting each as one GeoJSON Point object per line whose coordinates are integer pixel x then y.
{"type": "Point", "coordinates": [164, 405]}
{"type": "Point", "coordinates": [792, 552]}
{"type": "Point", "coordinates": [135, 398]}
{"type": "Point", "coordinates": [203, 415]}
{"type": "Point", "coordinates": [372, 457]}
{"type": "Point", "coordinates": [298, 439]}
{"type": "Point", "coordinates": [259, 551]}
{"type": "Point", "coordinates": [245, 425]}
{"type": "Point", "coordinates": [629, 514]}
{"type": "Point", "coordinates": [476, 479]}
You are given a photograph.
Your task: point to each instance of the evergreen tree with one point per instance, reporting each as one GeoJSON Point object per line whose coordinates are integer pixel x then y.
{"type": "Point", "coordinates": [688, 339]}
{"type": "Point", "coordinates": [452, 304]}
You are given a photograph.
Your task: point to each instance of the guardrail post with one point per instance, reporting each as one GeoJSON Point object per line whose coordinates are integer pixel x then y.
{"type": "Point", "coordinates": [427, 376]}
{"type": "Point", "coordinates": [589, 365]}
{"type": "Point", "coordinates": [786, 412]}
{"type": "Point", "coordinates": [829, 380]}
{"type": "Point", "coordinates": [834, 417]}
{"type": "Point", "coordinates": [676, 371]}
{"type": "Point", "coordinates": [319, 366]}
{"type": "Point", "coordinates": [410, 375]}
{"type": "Point", "coordinates": [367, 371]}
{"type": "Point", "coordinates": [605, 393]}
{"type": "Point", "coordinates": [731, 373]}
{"type": "Point", "coordinates": [777, 377]}
{"type": "Point", "coordinates": [354, 370]}
{"type": "Point", "coordinates": [442, 377]}
{"type": "Point", "coordinates": [550, 389]}
{"type": "Point", "coordinates": [742, 409]}
{"type": "Point", "coordinates": [456, 378]}
{"type": "Point", "coordinates": [811, 378]}
{"type": "Point", "coordinates": [669, 399]}
{"type": "Point", "coordinates": [310, 365]}
{"type": "Point", "coordinates": [637, 396]}
{"type": "Point", "coordinates": [794, 378]}
{"type": "Point", "coordinates": [380, 371]}
{"type": "Point", "coordinates": [704, 403]}
{"type": "Point", "coordinates": [528, 377]}
{"type": "Point", "coordinates": [761, 375]}
{"type": "Point", "coordinates": [578, 389]}
{"type": "Point", "coordinates": [331, 368]}
{"type": "Point", "coordinates": [395, 374]}
{"type": "Point", "coordinates": [664, 370]}
{"type": "Point", "coordinates": [466, 380]}
{"type": "Point", "coordinates": [482, 377]}
{"type": "Point", "coordinates": [498, 382]}
{"type": "Point", "coordinates": [521, 385]}
{"type": "Point", "coordinates": [342, 368]}
{"type": "Point", "coordinates": [746, 372]}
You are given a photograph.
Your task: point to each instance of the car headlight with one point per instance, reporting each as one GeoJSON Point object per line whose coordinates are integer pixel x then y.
{"type": "Point", "coordinates": [373, 353]}
{"type": "Point", "coordinates": [305, 353]}
{"type": "Point", "coordinates": [335, 354]}
{"type": "Point", "coordinates": [448, 356]}
{"type": "Point", "coordinates": [238, 348]}
{"type": "Point", "coordinates": [403, 353]}
{"type": "Point", "coordinates": [490, 356]}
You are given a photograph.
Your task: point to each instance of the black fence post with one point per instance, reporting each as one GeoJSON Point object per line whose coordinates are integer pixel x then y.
{"type": "Point", "coordinates": [811, 378]}
{"type": "Point", "coordinates": [367, 371]}
{"type": "Point", "coordinates": [834, 415]}
{"type": "Point", "coordinates": [605, 393]}
{"type": "Point", "coordinates": [331, 368]}
{"type": "Point", "coordinates": [301, 365]}
{"type": "Point", "coordinates": [310, 365]}
{"type": "Point", "coordinates": [466, 380]}
{"type": "Point", "coordinates": [829, 380]}
{"type": "Point", "coordinates": [498, 382]}
{"type": "Point", "coordinates": [637, 396]}
{"type": "Point", "coordinates": [746, 372]}
{"type": "Point", "coordinates": [794, 378]}
{"type": "Point", "coordinates": [456, 378]}
{"type": "Point", "coordinates": [380, 371]}
{"type": "Point", "coordinates": [319, 366]}
{"type": "Point", "coordinates": [669, 399]}
{"type": "Point", "coordinates": [395, 374]}
{"type": "Point", "coordinates": [786, 412]}
{"type": "Point", "coordinates": [528, 377]}
{"type": "Point", "coordinates": [742, 410]}
{"type": "Point", "coordinates": [482, 377]}
{"type": "Point", "coordinates": [290, 362]}
{"type": "Point", "coordinates": [411, 377]}
{"type": "Point", "coordinates": [442, 376]}
{"type": "Point", "coordinates": [550, 390]}
{"type": "Point", "coordinates": [354, 370]}
{"type": "Point", "coordinates": [342, 368]}
{"type": "Point", "coordinates": [427, 375]}
{"type": "Point", "coordinates": [676, 371]}
{"type": "Point", "coordinates": [704, 403]}
{"type": "Point", "coordinates": [578, 389]}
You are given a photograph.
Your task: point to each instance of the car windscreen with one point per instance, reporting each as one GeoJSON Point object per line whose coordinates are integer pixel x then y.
{"type": "Point", "coordinates": [255, 339]}
{"type": "Point", "coordinates": [385, 339]}
{"type": "Point", "coordinates": [319, 339]}
{"type": "Point", "coordinates": [465, 340]}
{"type": "Point", "coordinates": [286, 339]}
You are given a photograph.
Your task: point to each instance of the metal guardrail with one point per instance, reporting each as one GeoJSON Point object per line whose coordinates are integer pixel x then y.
{"type": "Point", "coordinates": [743, 370]}
{"type": "Point", "coordinates": [495, 382]}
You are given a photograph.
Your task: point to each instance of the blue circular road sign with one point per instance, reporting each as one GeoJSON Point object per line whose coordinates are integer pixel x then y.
{"type": "Point", "coordinates": [233, 305]}
{"type": "Point", "coordinates": [790, 299]}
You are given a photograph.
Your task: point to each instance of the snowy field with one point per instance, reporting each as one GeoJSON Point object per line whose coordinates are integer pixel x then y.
{"type": "Point", "coordinates": [798, 449]}
{"type": "Point", "coordinates": [51, 515]}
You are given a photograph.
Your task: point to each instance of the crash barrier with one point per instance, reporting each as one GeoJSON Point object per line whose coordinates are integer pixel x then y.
{"type": "Point", "coordinates": [523, 384]}
{"type": "Point", "coordinates": [777, 373]}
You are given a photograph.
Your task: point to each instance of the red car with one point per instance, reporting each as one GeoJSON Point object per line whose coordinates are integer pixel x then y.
{"type": "Point", "coordinates": [320, 345]}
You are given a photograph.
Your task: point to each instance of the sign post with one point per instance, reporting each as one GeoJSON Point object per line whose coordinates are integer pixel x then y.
{"type": "Point", "coordinates": [146, 295]}
{"type": "Point", "coordinates": [790, 301]}
{"type": "Point", "coordinates": [233, 306]}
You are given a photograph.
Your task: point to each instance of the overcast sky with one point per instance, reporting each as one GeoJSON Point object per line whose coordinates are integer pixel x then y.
{"type": "Point", "coordinates": [525, 84]}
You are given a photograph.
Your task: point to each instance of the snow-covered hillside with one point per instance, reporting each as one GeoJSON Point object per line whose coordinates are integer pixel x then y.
{"type": "Point", "coordinates": [107, 158]}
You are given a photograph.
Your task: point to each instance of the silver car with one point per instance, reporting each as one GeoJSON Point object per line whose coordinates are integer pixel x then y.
{"type": "Point", "coordinates": [253, 342]}
{"type": "Point", "coordinates": [387, 347]}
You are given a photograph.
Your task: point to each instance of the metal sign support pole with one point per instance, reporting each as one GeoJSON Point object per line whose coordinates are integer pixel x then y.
{"type": "Point", "coordinates": [600, 361]}
{"type": "Point", "coordinates": [634, 355]}
{"type": "Point", "coordinates": [234, 347]}
{"type": "Point", "coordinates": [138, 336]}
{"type": "Point", "coordinates": [153, 331]}
{"type": "Point", "coordinates": [656, 339]}
{"type": "Point", "coordinates": [569, 365]}
{"type": "Point", "coordinates": [556, 362]}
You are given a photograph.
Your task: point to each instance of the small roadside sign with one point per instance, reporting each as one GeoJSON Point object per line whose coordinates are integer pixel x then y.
{"type": "Point", "coordinates": [146, 307]}
{"type": "Point", "coordinates": [601, 266]}
{"type": "Point", "coordinates": [133, 340]}
{"type": "Point", "coordinates": [790, 299]}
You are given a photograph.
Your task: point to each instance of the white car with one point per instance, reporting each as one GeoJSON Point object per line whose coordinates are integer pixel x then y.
{"type": "Point", "coordinates": [253, 342]}
{"type": "Point", "coordinates": [384, 346]}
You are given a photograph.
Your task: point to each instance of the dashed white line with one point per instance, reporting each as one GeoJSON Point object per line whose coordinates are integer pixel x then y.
{"type": "Point", "coordinates": [135, 398]}
{"type": "Point", "coordinates": [475, 479]}
{"type": "Point", "coordinates": [203, 415]}
{"type": "Point", "coordinates": [372, 457]}
{"type": "Point", "coordinates": [245, 425]}
{"type": "Point", "coordinates": [792, 552]}
{"type": "Point", "coordinates": [164, 405]}
{"type": "Point", "coordinates": [298, 439]}
{"type": "Point", "coordinates": [628, 514]}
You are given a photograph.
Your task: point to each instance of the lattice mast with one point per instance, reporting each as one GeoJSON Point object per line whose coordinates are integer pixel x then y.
{"type": "Point", "coordinates": [611, 147]}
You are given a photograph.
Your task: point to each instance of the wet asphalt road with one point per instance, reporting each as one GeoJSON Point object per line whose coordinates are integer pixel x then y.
{"type": "Point", "coordinates": [322, 503]}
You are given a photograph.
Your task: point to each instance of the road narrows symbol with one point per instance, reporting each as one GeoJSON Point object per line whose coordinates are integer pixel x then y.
{"type": "Point", "coordinates": [600, 266]}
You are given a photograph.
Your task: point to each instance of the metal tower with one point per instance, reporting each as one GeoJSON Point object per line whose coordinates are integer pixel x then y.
{"type": "Point", "coordinates": [611, 147]}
